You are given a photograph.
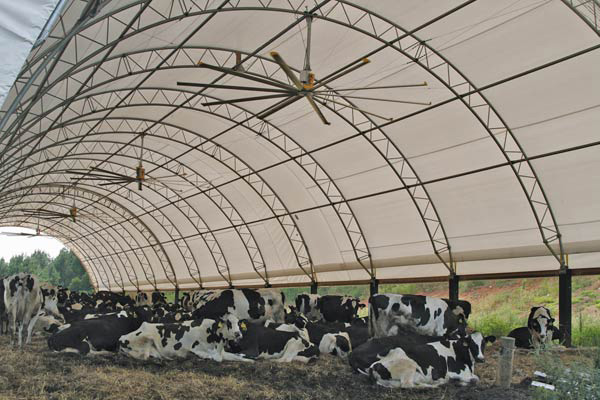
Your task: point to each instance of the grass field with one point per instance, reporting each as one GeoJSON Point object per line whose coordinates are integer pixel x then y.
{"type": "Point", "coordinates": [502, 305]}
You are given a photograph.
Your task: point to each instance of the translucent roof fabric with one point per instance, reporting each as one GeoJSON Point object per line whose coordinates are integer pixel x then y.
{"type": "Point", "coordinates": [485, 162]}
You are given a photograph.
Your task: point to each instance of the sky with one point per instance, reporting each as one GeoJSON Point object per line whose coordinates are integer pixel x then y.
{"type": "Point", "coordinates": [15, 245]}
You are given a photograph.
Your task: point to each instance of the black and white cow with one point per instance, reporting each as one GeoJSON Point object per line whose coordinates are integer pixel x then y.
{"type": "Point", "coordinates": [248, 304]}
{"type": "Point", "coordinates": [204, 338]}
{"type": "Point", "coordinates": [3, 314]}
{"type": "Point", "coordinates": [97, 335]}
{"type": "Point", "coordinates": [155, 298]}
{"type": "Point", "coordinates": [431, 364]}
{"type": "Point", "coordinates": [330, 308]}
{"type": "Point", "coordinates": [24, 300]}
{"type": "Point", "coordinates": [261, 342]}
{"type": "Point", "coordinates": [424, 315]}
{"type": "Point", "coordinates": [539, 331]}
{"type": "Point", "coordinates": [337, 338]}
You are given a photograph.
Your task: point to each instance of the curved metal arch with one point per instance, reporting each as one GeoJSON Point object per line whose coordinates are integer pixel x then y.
{"type": "Point", "coordinates": [81, 246]}
{"type": "Point", "coordinates": [557, 236]}
{"type": "Point", "coordinates": [118, 208]}
{"type": "Point", "coordinates": [104, 265]}
{"type": "Point", "coordinates": [84, 191]}
{"type": "Point", "coordinates": [214, 195]}
{"type": "Point", "coordinates": [90, 197]}
{"type": "Point", "coordinates": [234, 164]}
{"type": "Point", "coordinates": [446, 73]}
{"type": "Point", "coordinates": [588, 11]}
{"type": "Point", "coordinates": [98, 201]}
{"type": "Point", "coordinates": [148, 207]}
{"type": "Point", "coordinates": [54, 232]}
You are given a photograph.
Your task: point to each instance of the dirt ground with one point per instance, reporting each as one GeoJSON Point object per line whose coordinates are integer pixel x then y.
{"type": "Point", "coordinates": [37, 373]}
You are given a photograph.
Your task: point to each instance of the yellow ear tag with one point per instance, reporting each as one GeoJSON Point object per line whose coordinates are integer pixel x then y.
{"type": "Point", "coordinates": [243, 326]}
{"type": "Point", "coordinates": [220, 325]}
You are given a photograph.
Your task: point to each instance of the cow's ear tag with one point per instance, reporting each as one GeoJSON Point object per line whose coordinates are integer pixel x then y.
{"type": "Point", "coordinates": [243, 326]}
{"type": "Point", "coordinates": [220, 325]}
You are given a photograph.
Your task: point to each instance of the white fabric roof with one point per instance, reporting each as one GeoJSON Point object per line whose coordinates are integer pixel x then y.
{"type": "Point", "coordinates": [499, 173]}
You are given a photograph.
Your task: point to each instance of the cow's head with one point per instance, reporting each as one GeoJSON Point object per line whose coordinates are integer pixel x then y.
{"type": "Point", "coordinates": [141, 299]}
{"type": "Point", "coordinates": [476, 343]}
{"type": "Point", "coordinates": [351, 306]}
{"type": "Point", "coordinates": [229, 327]}
{"type": "Point", "coordinates": [50, 296]}
{"type": "Point", "coordinates": [158, 298]}
{"type": "Point", "coordinates": [136, 344]}
{"type": "Point", "coordinates": [540, 324]}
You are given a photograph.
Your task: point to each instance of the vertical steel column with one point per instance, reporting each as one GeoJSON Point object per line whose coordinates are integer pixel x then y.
{"type": "Point", "coordinates": [314, 288]}
{"type": "Point", "coordinates": [453, 281]}
{"type": "Point", "coordinates": [374, 287]}
{"type": "Point", "coordinates": [565, 305]}
{"type": "Point", "coordinates": [176, 295]}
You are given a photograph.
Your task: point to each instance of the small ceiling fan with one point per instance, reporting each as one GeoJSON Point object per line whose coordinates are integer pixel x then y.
{"type": "Point", "coordinates": [38, 232]}
{"type": "Point", "coordinates": [303, 86]}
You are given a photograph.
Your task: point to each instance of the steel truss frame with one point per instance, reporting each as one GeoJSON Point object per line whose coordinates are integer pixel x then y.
{"type": "Point", "coordinates": [417, 51]}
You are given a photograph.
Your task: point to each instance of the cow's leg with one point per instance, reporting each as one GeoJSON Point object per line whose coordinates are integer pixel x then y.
{"type": "Point", "coordinates": [20, 333]}
{"type": "Point", "coordinates": [30, 325]}
{"type": "Point", "coordinates": [227, 356]}
{"type": "Point", "coordinates": [12, 327]}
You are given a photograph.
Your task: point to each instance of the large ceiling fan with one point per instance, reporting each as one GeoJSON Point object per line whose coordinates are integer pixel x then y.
{"type": "Point", "coordinates": [38, 232]}
{"type": "Point", "coordinates": [303, 86]}
{"type": "Point", "coordinates": [109, 177]}
{"type": "Point", "coordinates": [73, 213]}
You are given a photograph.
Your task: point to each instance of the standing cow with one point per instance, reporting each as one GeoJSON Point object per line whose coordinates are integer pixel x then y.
{"type": "Point", "coordinates": [23, 299]}
{"type": "Point", "coordinates": [3, 315]}
{"type": "Point", "coordinates": [421, 314]}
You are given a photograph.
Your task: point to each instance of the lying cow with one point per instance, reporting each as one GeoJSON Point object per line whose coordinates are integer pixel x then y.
{"type": "Point", "coordinates": [431, 364]}
{"type": "Point", "coordinates": [268, 343]}
{"type": "Point", "coordinates": [24, 300]}
{"type": "Point", "coordinates": [249, 304]}
{"type": "Point", "coordinates": [330, 308]}
{"type": "Point", "coordinates": [337, 338]}
{"type": "Point", "coordinates": [421, 314]}
{"type": "Point", "coordinates": [538, 332]}
{"type": "Point", "coordinates": [97, 335]}
{"type": "Point", "coordinates": [204, 338]}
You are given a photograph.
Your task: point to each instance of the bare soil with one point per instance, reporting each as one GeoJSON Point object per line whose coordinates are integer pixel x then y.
{"type": "Point", "coordinates": [37, 373]}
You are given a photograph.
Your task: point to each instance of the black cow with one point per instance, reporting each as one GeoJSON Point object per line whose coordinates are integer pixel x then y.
{"type": "Point", "coordinates": [97, 335]}
{"type": "Point", "coordinates": [539, 330]}
{"type": "Point", "coordinates": [263, 342]}
{"type": "Point", "coordinates": [424, 315]}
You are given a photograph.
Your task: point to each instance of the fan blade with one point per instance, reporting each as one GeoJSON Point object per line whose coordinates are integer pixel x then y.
{"type": "Point", "coordinates": [271, 96]}
{"type": "Point", "coordinates": [288, 71]}
{"type": "Point", "coordinates": [246, 76]}
{"type": "Point", "coordinates": [383, 87]}
{"type": "Point", "coordinates": [386, 100]}
{"type": "Point", "coordinates": [343, 72]}
{"type": "Point", "coordinates": [321, 100]}
{"type": "Point", "coordinates": [316, 108]}
{"type": "Point", "coordinates": [106, 171]}
{"type": "Point", "coordinates": [17, 234]}
{"type": "Point", "coordinates": [276, 107]}
{"type": "Point", "coordinates": [116, 182]}
{"type": "Point", "coordinates": [233, 87]}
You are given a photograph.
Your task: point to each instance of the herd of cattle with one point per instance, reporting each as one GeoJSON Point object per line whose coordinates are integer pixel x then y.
{"type": "Point", "coordinates": [407, 340]}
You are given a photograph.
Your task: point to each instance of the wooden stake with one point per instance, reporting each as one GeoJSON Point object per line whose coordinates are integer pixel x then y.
{"type": "Point", "coordinates": [505, 364]}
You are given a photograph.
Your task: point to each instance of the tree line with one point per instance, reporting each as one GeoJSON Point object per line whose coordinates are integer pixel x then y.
{"type": "Point", "coordinates": [64, 270]}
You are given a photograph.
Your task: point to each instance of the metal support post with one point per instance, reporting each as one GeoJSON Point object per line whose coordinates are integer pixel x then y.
{"type": "Point", "coordinates": [565, 312]}
{"type": "Point", "coordinates": [453, 281]}
{"type": "Point", "coordinates": [176, 295]}
{"type": "Point", "coordinates": [374, 287]}
{"type": "Point", "coordinates": [313, 288]}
